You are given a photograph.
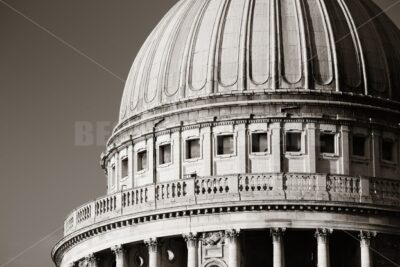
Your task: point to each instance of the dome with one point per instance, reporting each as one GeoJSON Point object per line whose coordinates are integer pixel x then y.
{"type": "Point", "coordinates": [204, 48]}
{"type": "Point", "coordinates": [246, 117]}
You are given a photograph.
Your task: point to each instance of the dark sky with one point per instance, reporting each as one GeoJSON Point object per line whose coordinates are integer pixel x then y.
{"type": "Point", "coordinates": [45, 88]}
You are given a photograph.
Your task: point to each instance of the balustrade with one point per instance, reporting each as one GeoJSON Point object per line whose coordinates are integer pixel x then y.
{"type": "Point", "coordinates": [233, 188]}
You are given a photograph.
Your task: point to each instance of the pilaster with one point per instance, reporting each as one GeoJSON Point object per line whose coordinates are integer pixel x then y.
{"type": "Point", "coordinates": [233, 247]}
{"type": "Point", "coordinates": [365, 244]}
{"type": "Point", "coordinates": [120, 256]}
{"type": "Point", "coordinates": [152, 246]}
{"type": "Point", "coordinates": [278, 247]}
{"type": "Point", "coordinates": [192, 247]}
{"type": "Point", "coordinates": [322, 236]}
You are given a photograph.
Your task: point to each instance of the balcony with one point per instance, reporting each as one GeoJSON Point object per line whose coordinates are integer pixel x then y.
{"type": "Point", "coordinates": [242, 189]}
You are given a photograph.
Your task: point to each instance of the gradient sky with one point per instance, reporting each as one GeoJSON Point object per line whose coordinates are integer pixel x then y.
{"type": "Point", "coordinates": [45, 88]}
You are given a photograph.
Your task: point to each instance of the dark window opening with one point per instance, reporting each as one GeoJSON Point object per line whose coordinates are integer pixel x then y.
{"type": "Point", "coordinates": [387, 150]}
{"type": "Point", "coordinates": [259, 142]}
{"type": "Point", "coordinates": [327, 143]}
{"type": "Point", "coordinates": [142, 160]}
{"type": "Point", "coordinates": [225, 145]}
{"type": "Point", "coordinates": [293, 142]}
{"type": "Point", "coordinates": [124, 167]}
{"type": "Point", "coordinates": [359, 146]}
{"type": "Point", "coordinates": [165, 154]}
{"type": "Point", "coordinates": [192, 148]}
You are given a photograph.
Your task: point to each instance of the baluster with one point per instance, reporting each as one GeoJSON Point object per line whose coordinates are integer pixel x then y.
{"type": "Point", "coordinates": [179, 188]}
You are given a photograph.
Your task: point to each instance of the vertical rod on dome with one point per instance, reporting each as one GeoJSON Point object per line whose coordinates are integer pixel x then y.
{"type": "Point", "coordinates": [155, 150]}
{"type": "Point", "coordinates": [181, 144]}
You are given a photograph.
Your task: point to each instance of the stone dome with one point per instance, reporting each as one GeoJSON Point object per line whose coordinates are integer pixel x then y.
{"type": "Point", "coordinates": [247, 117]}
{"type": "Point", "coordinates": [204, 48]}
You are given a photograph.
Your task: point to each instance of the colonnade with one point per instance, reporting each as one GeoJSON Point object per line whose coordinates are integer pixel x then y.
{"type": "Point", "coordinates": [233, 250]}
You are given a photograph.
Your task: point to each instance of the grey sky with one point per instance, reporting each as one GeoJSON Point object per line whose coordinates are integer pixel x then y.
{"type": "Point", "coordinates": [45, 88]}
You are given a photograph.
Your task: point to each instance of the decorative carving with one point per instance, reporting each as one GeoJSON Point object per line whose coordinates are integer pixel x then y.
{"type": "Point", "coordinates": [366, 237]}
{"type": "Point", "coordinates": [191, 239]}
{"type": "Point", "coordinates": [213, 238]}
{"type": "Point", "coordinates": [322, 234]}
{"type": "Point", "coordinates": [232, 234]}
{"type": "Point", "coordinates": [152, 244]}
{"type": "Point", "coordinates": [118, 250]}
{"type": "Point", "coordinates": [277, 232]}
{"type": "Point", "coordinates": [90, 259]}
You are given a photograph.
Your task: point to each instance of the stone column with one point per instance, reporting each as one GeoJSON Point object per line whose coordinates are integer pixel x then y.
{"type": "Point", "coordinates": [278, 247]}
{"type": "Point", "coordinates": [192, 245]}
{"type": "Point", "coordinates": [152, 246]}
{"type": "Point", "coordinates": [365, 248]}
{"type": "Point", "coordinates": [233, 247]}
{"type": "Point", "coordinates": [120, 256]}
{"type": "Point", "coordinates": [92, 260]}
{"type": "Point", "coordinates": [322, 236]}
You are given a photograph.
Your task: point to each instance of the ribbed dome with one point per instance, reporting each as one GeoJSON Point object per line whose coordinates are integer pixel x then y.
{"type": "Point", "coordinates": [212, 47]}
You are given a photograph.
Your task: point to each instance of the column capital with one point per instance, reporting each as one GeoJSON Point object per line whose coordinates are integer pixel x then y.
{"type": "Point", "coordinates": [117, 250]}
{"type": "Point", "coordinates": [324, 232]}
{"type": "Point", "coordinates": [232, 234]}
{"type": "Point", "coordinates": [277, 232]}
{"type": "Point", "coordinates": [71, 264]}
{"type": "Point", "coordinates": [366, 237]}
{"type": "Point", "coordinates": [191, 239]}
{"type": "Point", "coordinates": [152, 244]}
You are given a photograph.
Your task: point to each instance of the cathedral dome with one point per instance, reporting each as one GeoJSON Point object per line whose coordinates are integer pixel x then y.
{"type": "Point", "coordinates": [212, 48]}
{"type": "Point", "coordinates": [246, 117]}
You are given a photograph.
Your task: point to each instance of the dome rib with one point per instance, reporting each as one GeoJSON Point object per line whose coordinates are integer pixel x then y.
{"type": "Point", "coordinates": [216, 47]}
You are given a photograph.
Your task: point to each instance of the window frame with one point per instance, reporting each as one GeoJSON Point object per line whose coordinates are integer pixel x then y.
{"type": "Point", "coordinates": [258, 132]}
{"type": "Point", "coordinates": [142, 170]}
{"type": "Point", "coordinates": [186, 149]}
{"type": "Point", "coordinates": [336, 145]}
{"type": "Point", "coordinates": [302, 142]}
{"type": "Point", "coordinates": [366, 147]}
{"type": "Point", "coordinates": [160, 145]}
{"type": "Point", "coordinates": [394, 150]}
{"type": "Point", "coordinates": [234, 149]}
{"type": "Point", "coordinates": [125, 158]}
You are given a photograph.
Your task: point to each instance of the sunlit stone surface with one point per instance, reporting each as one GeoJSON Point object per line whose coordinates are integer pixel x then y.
{"type": "Point", "coordinates": [252, 133]}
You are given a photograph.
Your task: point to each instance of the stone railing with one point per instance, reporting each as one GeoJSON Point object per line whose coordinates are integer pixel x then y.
{"type": "Point", "coordinates": [237, 188]}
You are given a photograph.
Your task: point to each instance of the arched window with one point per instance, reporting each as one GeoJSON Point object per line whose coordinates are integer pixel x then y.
{"type": "Point", "coordinates": [214, 263]}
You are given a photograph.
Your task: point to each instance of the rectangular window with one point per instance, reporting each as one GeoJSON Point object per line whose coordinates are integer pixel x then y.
{"type": "Point", "coordinates": [141, 160]}
{"type": "Point", "coordinates": [327, 143]}
{"type": "Point", "coordinates": [225, 145]}
{"type": "Point", "coordinates": [293, 142]}
{"type": "Point", "coordinates": [124, 167]}
{"type": "Point", "coordinates": [165, 154]}
{"type": "Point", "coordinates": [259, 142]}
{"type": "Point", "coordinates": [387, 150]}
{"type": "Point", "coordinates": [113, 174]}
{"type": "Point", "coordinates": [192, 148]}
{"type": "Point", "coordinates": [359, 145]}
